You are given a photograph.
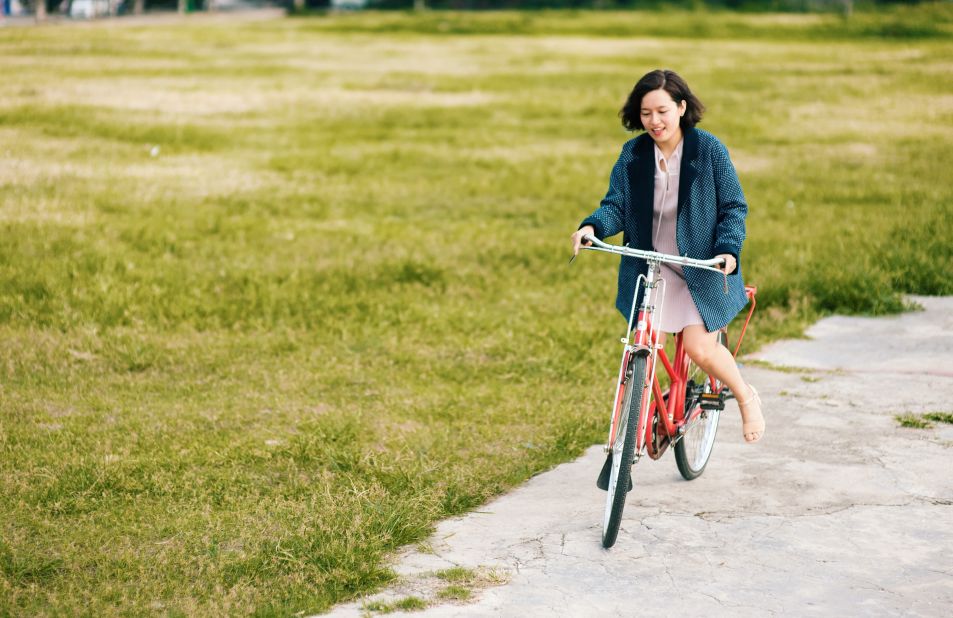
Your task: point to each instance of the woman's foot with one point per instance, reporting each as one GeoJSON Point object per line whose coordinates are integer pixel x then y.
{"type": "Point", "coordinates": [752, 420]}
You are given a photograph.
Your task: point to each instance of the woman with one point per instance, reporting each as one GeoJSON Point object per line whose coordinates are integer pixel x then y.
{"type": "Point", "coordinates": [674, 190]}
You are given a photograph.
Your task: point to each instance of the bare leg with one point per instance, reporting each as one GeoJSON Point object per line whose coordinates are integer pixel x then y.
{"type": "Point", "coordinates": [703, 348]}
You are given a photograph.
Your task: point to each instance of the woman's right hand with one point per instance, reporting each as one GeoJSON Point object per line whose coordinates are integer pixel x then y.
{"type": "Point", "coordinates": [577, 238]}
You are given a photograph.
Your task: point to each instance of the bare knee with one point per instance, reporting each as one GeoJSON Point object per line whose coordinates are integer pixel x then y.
{"type": "Point", "coordinates": [698, 352]}
{"type": "Point", "coordinates": [699, 348]}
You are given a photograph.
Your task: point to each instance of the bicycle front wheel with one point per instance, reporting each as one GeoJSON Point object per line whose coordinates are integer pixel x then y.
{"type": "Point", "coordinates": [706, 397]}
{"type": "Point", "coordinates": [623, 449]}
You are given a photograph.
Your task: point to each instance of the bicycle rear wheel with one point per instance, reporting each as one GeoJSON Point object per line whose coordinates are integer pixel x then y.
{"type": "Point", "coordinates": [694, 448]}
{"type": "Point", "coordinates": [623, 450]}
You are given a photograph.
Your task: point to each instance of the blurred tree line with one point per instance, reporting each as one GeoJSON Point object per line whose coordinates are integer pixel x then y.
{"type": "Point", "coordinates": [126, 7]}
{"type": "Point", "coordinates": [120, 7]}
{"type": "Point", "coordinates": [753, 5]}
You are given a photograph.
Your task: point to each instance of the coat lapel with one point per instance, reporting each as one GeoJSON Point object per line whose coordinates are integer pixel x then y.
{"type": "Point", "coordinates": [642, 191]}
{"type": "Point", "coordinates": [687, 170]}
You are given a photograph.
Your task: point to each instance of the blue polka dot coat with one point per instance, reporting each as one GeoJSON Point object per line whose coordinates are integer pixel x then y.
{"type": "Point", "coordinates": [710, 220]}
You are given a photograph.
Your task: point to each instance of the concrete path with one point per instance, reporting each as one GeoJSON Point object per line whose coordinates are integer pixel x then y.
{"type": "Point", "coordinates": [837, 510]}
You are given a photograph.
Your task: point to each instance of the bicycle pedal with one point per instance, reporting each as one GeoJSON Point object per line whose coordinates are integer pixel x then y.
{"type": "Point", "coordinates": [712, 401]}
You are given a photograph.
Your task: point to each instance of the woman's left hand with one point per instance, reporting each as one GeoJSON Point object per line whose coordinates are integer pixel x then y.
{"type": "Point", "coordinates": [730, 263]}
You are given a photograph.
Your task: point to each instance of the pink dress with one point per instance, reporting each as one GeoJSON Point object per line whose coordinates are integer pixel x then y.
{"type": "Point", "coordinates": [678, 307]}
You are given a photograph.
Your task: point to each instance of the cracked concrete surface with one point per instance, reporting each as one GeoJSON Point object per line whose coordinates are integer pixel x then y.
{"type": "Point", "coordinates": [836, 510]}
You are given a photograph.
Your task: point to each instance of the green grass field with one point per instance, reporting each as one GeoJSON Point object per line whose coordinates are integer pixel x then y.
{"type": "Point", "coordinates": [276, 296]}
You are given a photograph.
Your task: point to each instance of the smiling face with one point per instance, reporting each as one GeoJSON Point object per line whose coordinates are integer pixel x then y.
{"type": "Point", "coordinates": [660, 116]}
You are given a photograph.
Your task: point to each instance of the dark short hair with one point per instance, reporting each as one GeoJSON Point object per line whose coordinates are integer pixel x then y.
{"type": "Point", "coordinates": [672, 83]}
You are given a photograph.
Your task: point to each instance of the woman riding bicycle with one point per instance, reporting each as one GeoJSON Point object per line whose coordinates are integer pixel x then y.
{"type": "Point", "coordinates": [674, 190]}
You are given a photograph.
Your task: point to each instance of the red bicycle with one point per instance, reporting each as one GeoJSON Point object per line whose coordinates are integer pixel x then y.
{"type": "Point", "coordinates": [684, 415]}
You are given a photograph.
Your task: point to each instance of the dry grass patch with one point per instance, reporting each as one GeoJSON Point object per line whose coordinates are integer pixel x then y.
{"type": "Point", "coordinates": [169, 97]}
{"type": "Point", "coordinates": [369, 56]}
{"type": "Point", "coordinates": [751, 162]}
{"type": "Point", "coordinates": [341, 100]}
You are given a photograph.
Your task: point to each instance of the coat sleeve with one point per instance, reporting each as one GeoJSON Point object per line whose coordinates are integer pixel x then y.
{"type": "Point", "coordinates": [609, 218]}
{"type": "Point", "coordinates": [732, 208]}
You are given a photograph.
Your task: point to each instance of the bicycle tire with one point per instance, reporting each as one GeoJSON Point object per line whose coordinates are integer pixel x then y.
{"type": "Point", "coordinates": [623, 451]}
{"type": "Point", "coordinates": [693, 449]}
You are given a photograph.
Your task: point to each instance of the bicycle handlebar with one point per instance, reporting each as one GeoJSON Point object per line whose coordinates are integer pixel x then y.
{"type": "Point", "coordinates": [652, 256]}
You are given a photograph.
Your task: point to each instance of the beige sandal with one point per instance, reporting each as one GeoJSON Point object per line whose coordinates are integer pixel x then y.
{"type": "Point", "coordinates": [752, 426]}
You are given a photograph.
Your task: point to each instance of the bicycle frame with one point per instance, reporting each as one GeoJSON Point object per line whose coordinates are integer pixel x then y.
{"type": "Point", "coordinates": [642, 339]}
